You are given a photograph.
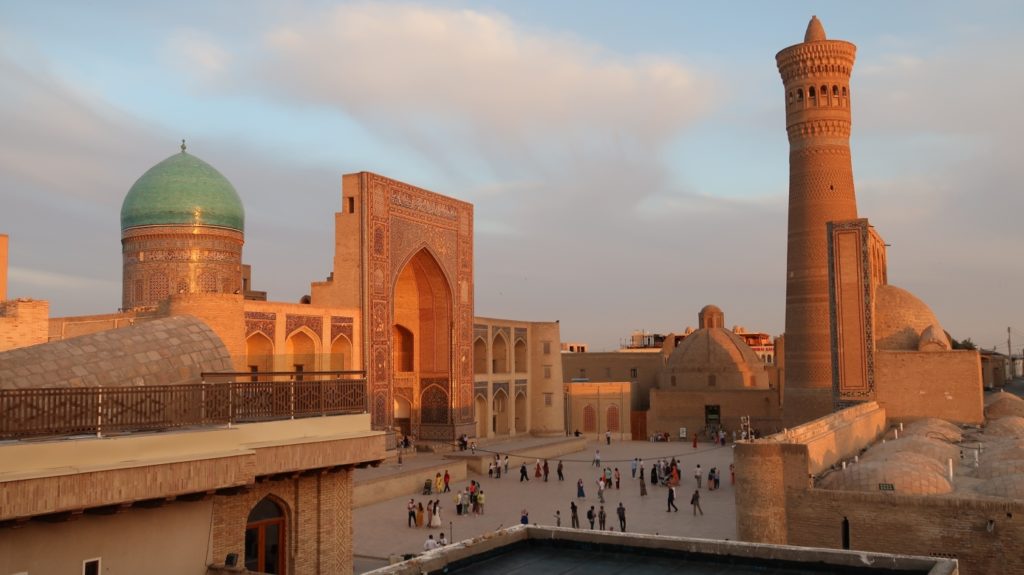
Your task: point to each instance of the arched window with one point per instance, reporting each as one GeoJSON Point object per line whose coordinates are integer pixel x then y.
{"type": "Point", "coordinates": [835, 91]}
{"type": "Point", "coordinates": [810, 95]}
{"type": "Point", "coordinates": [403, 348]}
{"type": "Point", "coordinates": [799, 94]}
{"type": "Point", "coordinates": [613, 418]}
{"type": "Point", "coordinates": [520, 356]}
{"type": "Point", "coordinates": [479, 356]}
{"type": "Point", "coordinates": [265, 538]}
{"type": "Point", "coordinates": [789, 98]}
{"type": "Point", "coordinates": [844, 91]}
{"type": "Point", "coordinates": [589, 419]}
{"type": "Point", "coordinates": [824, 93]}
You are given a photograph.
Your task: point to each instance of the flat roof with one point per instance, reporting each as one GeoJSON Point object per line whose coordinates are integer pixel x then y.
{"type": "Point", "coordinates": [537, 550]}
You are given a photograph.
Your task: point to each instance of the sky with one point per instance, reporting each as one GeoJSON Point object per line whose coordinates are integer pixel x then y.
{"type": "Point", "coordinates": [627, 161]}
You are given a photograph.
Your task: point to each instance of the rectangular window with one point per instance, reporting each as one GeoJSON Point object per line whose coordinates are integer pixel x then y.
{"type": "Point", "coordinates": [254, 370]}
{"type": "Point", "coordinates": [547, 348]}
{"type": "Point", "coordinates": [547, 372]}
{"type": "Point", "coordinates": [91, 567]}
{"type": "Point", "coordinates": [548, 399]}
{"type": "Point", "coordinates": [351, 205]}
{"type": "Point", "coordinates": [633, 372]}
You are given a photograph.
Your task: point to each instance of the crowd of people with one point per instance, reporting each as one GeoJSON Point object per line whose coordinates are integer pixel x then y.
{"type": "Point", "coordinates": [661, 473]}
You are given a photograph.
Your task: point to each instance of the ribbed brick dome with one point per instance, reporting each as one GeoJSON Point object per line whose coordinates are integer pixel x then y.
{"type": "Point", "coordinates": [900, 318]}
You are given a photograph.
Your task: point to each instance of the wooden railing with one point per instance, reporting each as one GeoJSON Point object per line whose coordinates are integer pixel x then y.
{"type": "Point", "coordinates": [105, 410]}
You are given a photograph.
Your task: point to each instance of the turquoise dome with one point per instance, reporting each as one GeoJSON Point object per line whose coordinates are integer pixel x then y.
{"type": "Point", "coordinates": [182, 190]}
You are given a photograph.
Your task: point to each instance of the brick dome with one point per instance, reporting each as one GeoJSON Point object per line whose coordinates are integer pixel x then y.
{"type": "Point", "coordinates": [715, 356]}
{"type": "Point", "coordinates": [1009, 426]}
{"type": "Point", "coordinates": [1000, 405]}
{"type": "Point", "coordinates": [900, 319]}
{"type": "Point", "coordinates": [906, 478]}
{"type": "Point", "coordinates": [934, 428]}
{"type": "Point", "coordinates": [182, 190]}
{"type": "Point", "coordinates": [934, 448]}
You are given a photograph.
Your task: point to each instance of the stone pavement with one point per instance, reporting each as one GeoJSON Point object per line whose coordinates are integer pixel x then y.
{"type": "Point", "coordinates": [380, 530]}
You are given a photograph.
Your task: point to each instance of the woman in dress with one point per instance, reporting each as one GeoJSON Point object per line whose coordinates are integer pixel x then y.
{"type": "Point", "coordinates": [643, 488]}
{"type": "Point", "coordinates": [536, 470]}
{"type": "Point", "coordinates": [419, 514]}
{"type": "Point", "coordinates": [435, 521]}
{"type": "Point", "coordinates": [430, 513]}
{"type": "Point", "coordinates": [579, 489]}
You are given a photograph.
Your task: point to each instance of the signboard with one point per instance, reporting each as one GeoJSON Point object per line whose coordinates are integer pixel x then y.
{"type": "Point", "coordinates": [886, 487]}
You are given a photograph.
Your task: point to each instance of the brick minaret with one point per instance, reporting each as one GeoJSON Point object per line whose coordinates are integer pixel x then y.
{"type": "Point", "coordinates": [816, 75]}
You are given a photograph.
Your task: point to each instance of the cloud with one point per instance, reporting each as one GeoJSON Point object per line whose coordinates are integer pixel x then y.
{"type": "Point", "coordinates": [457, 82]}
{"type": "Point", "coordinates": [197, 53]}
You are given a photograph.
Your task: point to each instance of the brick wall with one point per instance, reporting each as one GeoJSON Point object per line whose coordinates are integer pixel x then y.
{"type": "Point", "coordinates": [913, 385]}
{"type": "Point", "coordinates": [671, 410]}
{"type": "Point", "coordinates": [23, 322]}
{"type": "Point", "coordinates": [913, 524]}
{"type": "Point", "coordinates": [318, 517]}
{"type": "Point", "coordinates": [222, 312]}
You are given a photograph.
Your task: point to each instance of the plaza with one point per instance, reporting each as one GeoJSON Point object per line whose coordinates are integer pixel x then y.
{"type": "Point", "coordinates": [381, 530]}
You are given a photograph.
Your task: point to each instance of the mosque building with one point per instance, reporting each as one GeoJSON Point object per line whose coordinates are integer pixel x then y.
{"type": "Point", "coordinates": [203, 408]}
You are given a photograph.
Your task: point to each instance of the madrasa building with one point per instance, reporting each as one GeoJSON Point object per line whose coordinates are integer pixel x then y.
{"type": "Point", "coordinates": [205, 410]}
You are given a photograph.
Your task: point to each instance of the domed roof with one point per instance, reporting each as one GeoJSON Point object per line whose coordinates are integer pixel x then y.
{"type": "Point", "coordinates": [937, 450]}
{"type": "Point", "coordinates": [714, 348]}
{"type": "Point", "coordinates": [900, 318]}
{"type": "Point", "coordinates": [1001, 468]}
{"type": "Point", "coordinates": [1003, 405]}
{"type": "Point", "coordinates": [904, 476]}
{"type": "Point", "coordinates": [911, 458]}
{"type": "Point", "coordinates": [1009, 426]}
{"type": "Point", "coordinates": [815, 31]}
{"type": "Point", "coordinates": [935, 428]}
{"type": "Point", "coordinates": [182, 190]}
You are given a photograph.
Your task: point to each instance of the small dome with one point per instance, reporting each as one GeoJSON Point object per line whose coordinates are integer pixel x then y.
{"type": "Point", "coordinates": [934, 338]}
{"type": "Point", "coordinates": [815, 31]}
{"type": "Point", "coordinates": [911, 458]}
{"type": "Point", "coordinates": [900, 319]}
{"type": "Point", "coordinates": [182, 190]}
{"type": "Point", "coordinates": [934, 428]}
{"type": "Point", "coordinates": [1003, 405]}
{"type": "Point", "coordinates": [710, 316]}
{"type": "Point", "coordinates": [720, 353]}
{"type": "Point", "coordinates": [906, 478]}
{"type": "Point", "coordinates": [933, 448]}
{"type": "Point", "coordinates": [1001, 468]}
{"type": "Point", "coordinates": [1009, 426]}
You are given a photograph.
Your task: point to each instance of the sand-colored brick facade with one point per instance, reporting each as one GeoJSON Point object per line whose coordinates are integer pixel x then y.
{"type": "Point", "coordinates": [23, 322]}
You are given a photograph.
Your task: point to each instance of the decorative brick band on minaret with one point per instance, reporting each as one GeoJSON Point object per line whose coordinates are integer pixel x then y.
{"type": "Point", "coordinates": [816, 76]}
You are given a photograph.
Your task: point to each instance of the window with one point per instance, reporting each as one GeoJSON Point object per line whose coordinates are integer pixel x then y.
{"type": "Point", "coordinates": [265, 538]}
{"type": "Point", "coordinates": [254, 369]}
{"type": "Point", "coordinates": [547, 348]}
{"type": "Point", "coordinates": [613, 418]}
{"type": "Point", "coordinates": [583, 372]}
{"type": "Point", "coordinates": [547, 372]}
{"type": "Point", "coordinates": [633, 372]}
{"type": "Point", "coordinates": [351, 205]}
{"type": "Point", "coordinates": [548, 399]}
{"type": "Point", "coordinates": [91, 567]}
{"type": "Point", "coordinates": [673, 381]}
{"type": "Point", "coordinates": [299, 368]}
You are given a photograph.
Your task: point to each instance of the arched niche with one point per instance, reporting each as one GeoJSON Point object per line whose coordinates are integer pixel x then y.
{"type": "Point", "coordinates": [520, 356]}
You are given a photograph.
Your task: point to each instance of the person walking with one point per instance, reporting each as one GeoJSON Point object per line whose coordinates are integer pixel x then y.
{"type": "Point", "coordinates": [435, 520]}
{"type": "Point", "coordinates": [641, 470]}
{"type": "Point", "coordinates": [633, 467]}
{"type": "Point", "coordinates": [671, 500]}
{"type": "Point", "coordinates": [506, 464]}
{"type": "Point", "coordinates": [643, 488]}
{"type": "Point", "coordinates": [419, 514]}
{"type": "Point", "coordinates": [600, 490]}
{"type": "Point", "coordinates": [591, 516]}
{"type": "Point", "coordinates": [695, 501]}
{"type": "Point", "coordinates": [579, 489]}
{"type": "Point", "coordinates": [523, 475]}
{"type": "Point", "coordinates": [438, 482]}
{"type": "Point", "coordinates": [617, 477]}
{"type": "Point", "coordinates": [524, 517]}
{"type": "Point", "coordinates": [559, 470]}
{"type": "Point", "coordinates": [695, 441]}
{"type": "Point", "coordinates": [545, 469]}
{"type": "Point", "coordinates": [574, 514]}
{"type": "Point", "coordinates": [621, 511]}
{"type": "Point", "coordinates": [447, 478]}
{"type": "Point", "coordinates": [711, 479]}
{"type": "Point", "coordinates": [732, 474]}
{"type": "Point", "coordinates": [597, 458]}
{"type": "Point", "coordinates": [411, 508]}
{"type": "Point", "coordinates": [536, 470]}
{"type": "Point", "coordinates": [558, 518]}
{"type": "Point", "coordinates": [601, 518]}
{"type": "Point", "coordinates": [608, 437]}
{"type": "Point", "coordinates": [480, 502]}
{"type": "Point", "coordinates": [430, 513]}
{"type": "Point", "coordinates": [696, 475]}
